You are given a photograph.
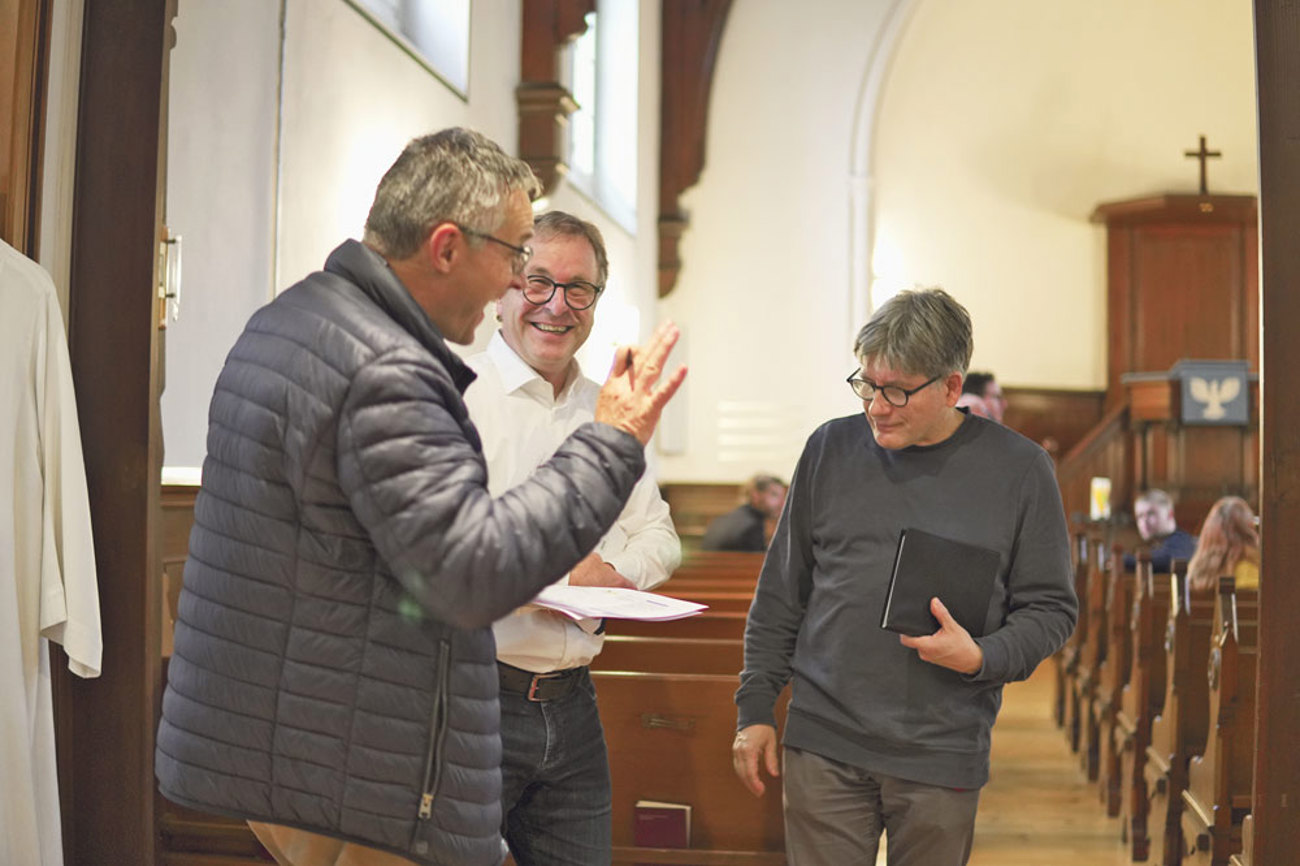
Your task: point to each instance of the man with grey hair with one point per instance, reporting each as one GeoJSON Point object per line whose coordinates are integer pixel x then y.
{"type": "Point", "coordinates": [889, 732]}
{"type": "Point", "coordinates": [333, 679]}
{"type": "Point", "coordinates": [530, 394]}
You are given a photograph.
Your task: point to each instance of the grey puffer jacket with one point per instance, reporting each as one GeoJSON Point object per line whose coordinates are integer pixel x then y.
{"type": "Point", "coordinates": [334, 666]}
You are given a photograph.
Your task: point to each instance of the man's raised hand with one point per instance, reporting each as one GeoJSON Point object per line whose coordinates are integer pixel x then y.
{"type": "Point", "coordinates": [633, 397]}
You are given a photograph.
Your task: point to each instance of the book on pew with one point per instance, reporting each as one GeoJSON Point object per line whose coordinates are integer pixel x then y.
{"type": "Point", "coordinates": [959, 574]}
{"type": "Point", "coordinates": [661, 825]}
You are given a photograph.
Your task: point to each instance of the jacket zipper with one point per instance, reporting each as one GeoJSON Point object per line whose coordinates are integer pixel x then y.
{"type": "Point", "coordinates": [437, 734]}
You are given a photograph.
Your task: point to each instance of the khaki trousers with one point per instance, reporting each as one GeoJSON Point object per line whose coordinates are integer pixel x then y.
{"type": "Point", "coordinates": [834, 814]}
{"type": "Point", "coordinates": [293, 847]}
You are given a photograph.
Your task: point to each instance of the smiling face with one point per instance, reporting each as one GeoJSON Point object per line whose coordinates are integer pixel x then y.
{"type": "Point", "coordinates": [546, 337]}
{"type": "Point", "coordinates": [928, 418]}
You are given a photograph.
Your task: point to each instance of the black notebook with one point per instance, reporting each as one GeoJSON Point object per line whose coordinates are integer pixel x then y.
{"type": "Point", "coordinates": [926, 566]}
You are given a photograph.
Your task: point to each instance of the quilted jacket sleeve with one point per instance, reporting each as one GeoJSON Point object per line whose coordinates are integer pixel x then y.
{"type": "Point", "coordinates": [418, 485]}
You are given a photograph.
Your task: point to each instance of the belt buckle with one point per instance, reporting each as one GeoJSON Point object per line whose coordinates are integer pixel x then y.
{"type": "Point", "coordinates": [533, 685]}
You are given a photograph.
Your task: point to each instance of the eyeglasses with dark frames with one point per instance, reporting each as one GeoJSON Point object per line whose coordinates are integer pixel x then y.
{"type": "Point", "coordinates": [578, 294]}
{"type": "Point", "coordinates": [894, 395]}
{"type": "Point", "coordinates": [521, 253]}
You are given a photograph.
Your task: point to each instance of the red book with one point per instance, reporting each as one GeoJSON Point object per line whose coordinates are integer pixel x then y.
{"type": "Point", "coordinates": [661, 825]}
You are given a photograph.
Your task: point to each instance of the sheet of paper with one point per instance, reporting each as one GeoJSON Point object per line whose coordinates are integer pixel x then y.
{"type": "Point", "coordinates": [596, 602]}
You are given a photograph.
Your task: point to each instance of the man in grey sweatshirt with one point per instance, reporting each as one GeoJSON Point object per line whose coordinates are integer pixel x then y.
{"type": "Point", "coordinates": [889, 732]}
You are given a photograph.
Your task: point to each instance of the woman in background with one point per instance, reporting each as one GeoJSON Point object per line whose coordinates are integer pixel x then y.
{"type": "Point", "coordinates": [1228, 545]}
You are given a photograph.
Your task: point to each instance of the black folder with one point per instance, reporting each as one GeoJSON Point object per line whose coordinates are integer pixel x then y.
{"type": "Point", "coordinates": [926, 566]}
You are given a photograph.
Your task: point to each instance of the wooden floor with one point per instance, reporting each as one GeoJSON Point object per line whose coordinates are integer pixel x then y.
{"type": "Point", "coordinates": [1037, 809]}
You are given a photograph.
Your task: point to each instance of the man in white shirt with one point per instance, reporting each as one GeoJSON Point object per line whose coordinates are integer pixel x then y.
{"type": "Point", "coordinates": [529, 395]}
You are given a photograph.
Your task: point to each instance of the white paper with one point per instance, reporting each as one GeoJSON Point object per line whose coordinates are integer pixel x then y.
{"type": "Point", "coordinates": [608, 602]}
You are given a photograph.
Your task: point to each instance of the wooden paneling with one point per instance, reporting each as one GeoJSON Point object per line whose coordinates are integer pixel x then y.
{"type": "Point", "coordinates": [106, 726]}
{"type": "Point", "coordinates": [692, 30]}
{"type": "Point", "coordinates": [1276, 832]}
{"type": "Point", "coordinates": [1053, 415]}
{"type": "Point", "coordinates": [1182, 282]}
{"type": "Point", "coordinates": [24, 44]}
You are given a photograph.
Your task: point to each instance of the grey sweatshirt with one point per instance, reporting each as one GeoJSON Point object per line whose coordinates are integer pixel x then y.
{"type": "Point", "coordinates": [859, 696]}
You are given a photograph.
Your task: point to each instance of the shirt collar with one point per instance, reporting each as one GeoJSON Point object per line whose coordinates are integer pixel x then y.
{"type": "Point", "coordinates": [516, 374]}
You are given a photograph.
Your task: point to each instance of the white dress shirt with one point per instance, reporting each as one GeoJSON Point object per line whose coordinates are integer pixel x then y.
{"type": "Point", "coordinates": [522, 422]}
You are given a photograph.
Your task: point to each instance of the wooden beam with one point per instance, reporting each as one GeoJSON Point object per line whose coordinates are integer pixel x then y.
{"type": "Point", "coordinates": [106, 726]}
{"type": "Point", "coordinates": [692, 31]}
{"type": "Point", "coordinates": [1277, 760]}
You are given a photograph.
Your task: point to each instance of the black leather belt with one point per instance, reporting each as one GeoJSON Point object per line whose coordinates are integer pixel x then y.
{"type": "Point", "coordinates": [537, 687]}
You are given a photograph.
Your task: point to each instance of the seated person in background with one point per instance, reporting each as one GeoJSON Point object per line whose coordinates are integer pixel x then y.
{"type": "Point", "coordinates": [744, 528]}
{"type": "Point", "coordinates": [974, 404]}
{"type": "Point", "coordinates": [984, 386]}
{"type": "Point", "coordinates": [1229, 545]}
{"type": "Point", "coordinates": [1154, 514]}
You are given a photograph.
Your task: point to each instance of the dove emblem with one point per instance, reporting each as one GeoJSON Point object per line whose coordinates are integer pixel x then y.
{"type": "Point", "coordinates": [1214, 394]}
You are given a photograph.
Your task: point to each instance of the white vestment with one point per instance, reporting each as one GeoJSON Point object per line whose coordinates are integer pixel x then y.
{"type": "Point", "coordinates": [47, 561]}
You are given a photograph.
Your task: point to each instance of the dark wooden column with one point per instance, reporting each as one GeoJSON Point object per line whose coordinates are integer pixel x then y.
{"type": "Point", "coordinates": [106, 725]}
{"type": "Point", "coordinates": [1277, 760]}
{"type": "Point", "coordinates": [692, 30]}
{"type": "Point", "coordinates": [544, 103]}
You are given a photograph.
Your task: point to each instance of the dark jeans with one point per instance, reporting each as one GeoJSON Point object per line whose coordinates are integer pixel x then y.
{"type": "Point", "coordinates": [555, 794]}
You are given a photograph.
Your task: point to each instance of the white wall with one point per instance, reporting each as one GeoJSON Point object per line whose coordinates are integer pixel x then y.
{"type": "Point", "coordinates": [1004, 124]}
{"type": "Point", "coordinates": [1001, 125]}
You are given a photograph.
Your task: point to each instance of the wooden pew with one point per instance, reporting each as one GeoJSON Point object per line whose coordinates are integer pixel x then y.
{"type": "Point", "coordinates": [1180, 729]}
{"type": "Point", "coordinates": [1067, 658]}
{"type": "Point", "coordinates": [1086, 653]}
{"type": "Point", "coordinates": [669, 739]}
{"type": "Point", "coordinates": [1115, 668]}
{"type": "Point", "coordinates": [717, 600]}
{"type": "Point", "coordinates": [1218, 795]}
{"type": "Point", "coordinates": [1092, 656]}
{"type": "Point", "coordinates": [1247, 855]}
{"type": "Point", "coordinates": [670, 655]}
{"type": "Point", "coordinates": [1141, 699]}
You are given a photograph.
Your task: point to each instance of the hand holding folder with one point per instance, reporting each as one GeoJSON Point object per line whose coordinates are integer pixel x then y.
{"type": "Point", "coordinates": [927, 566]}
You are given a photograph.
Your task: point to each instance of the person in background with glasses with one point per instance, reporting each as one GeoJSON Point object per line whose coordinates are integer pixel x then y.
{"type": "Point", "coordinates": [887, 732]}
{"type": "Point", "coordinates": [530, 394]}
{"type": "Point", "coordinates": [333, 679]}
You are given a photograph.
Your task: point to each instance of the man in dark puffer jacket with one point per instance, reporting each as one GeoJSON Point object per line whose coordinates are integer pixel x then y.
{"type": "Point", "coordinates": [334, 670]}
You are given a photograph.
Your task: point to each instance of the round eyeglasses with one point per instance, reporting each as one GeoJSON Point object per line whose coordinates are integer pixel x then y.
{"type": "Point", "coordinates": [894, 395]}
{"type": "Point", "coordinates": [578, 294]}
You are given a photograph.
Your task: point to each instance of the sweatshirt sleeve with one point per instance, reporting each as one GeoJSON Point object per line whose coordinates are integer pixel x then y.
{"type": "Point", "coordinates": [780, 602]}
{"type": "Point", "coordinates": [1042, 608]}
{"type": "Point", "coordinates": [418, 485]}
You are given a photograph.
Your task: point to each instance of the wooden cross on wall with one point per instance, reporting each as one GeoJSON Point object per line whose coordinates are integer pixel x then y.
{"type": "Point", "coordinates": [1202, 154]}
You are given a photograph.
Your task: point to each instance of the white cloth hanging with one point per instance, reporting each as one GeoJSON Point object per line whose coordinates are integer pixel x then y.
{"type": "Point", "coordinates": [48, 590]}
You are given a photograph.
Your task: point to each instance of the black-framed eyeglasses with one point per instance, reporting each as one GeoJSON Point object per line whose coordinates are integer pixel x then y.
{"type": "Point", "coordinates": [894, 395]}
{"type": "Point", "coordinates": [578, 294]}
{"type": "Point", "coordinates": [521, 254]}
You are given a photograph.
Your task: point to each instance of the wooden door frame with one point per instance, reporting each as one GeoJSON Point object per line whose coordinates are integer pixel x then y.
{"type": "Point", "coordinates": [105, 727]}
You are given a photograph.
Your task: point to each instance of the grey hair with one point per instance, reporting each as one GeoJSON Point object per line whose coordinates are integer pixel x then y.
{"type": "Point", "coordinates": [456, 175]}
{"type": "Point", "coordinates": [557, 223]}
{"type": "Point", "coordinates": [921, 331]}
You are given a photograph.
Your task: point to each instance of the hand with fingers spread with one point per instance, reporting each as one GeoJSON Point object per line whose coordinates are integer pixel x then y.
{"type": "Point", "coordinates": [753, 748]}
{"type": "Point", "coordinates": [633, 396]}
{"type": "Point", "coordinates": [950, 647]}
